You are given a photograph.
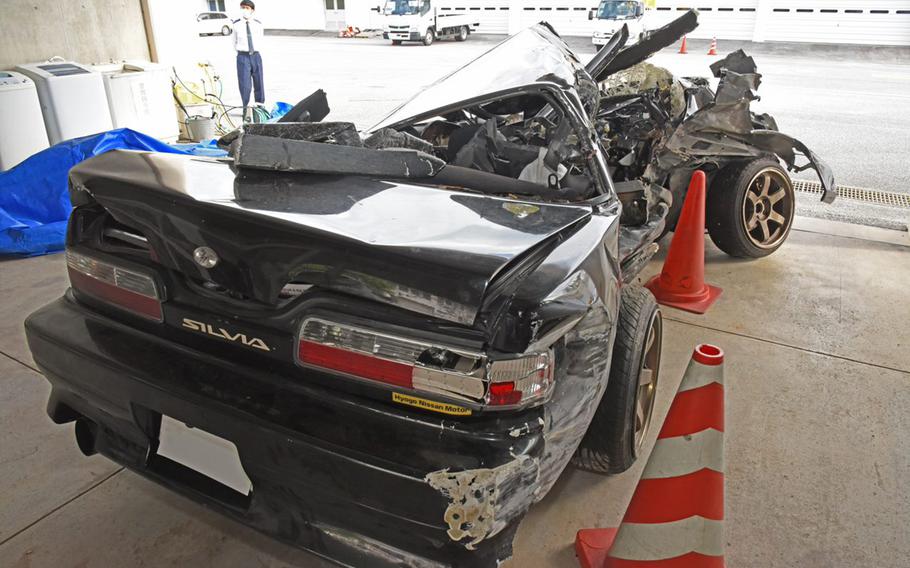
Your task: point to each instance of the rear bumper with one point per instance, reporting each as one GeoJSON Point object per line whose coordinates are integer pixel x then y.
{"type": "Point", "coordinates": [314, 483]}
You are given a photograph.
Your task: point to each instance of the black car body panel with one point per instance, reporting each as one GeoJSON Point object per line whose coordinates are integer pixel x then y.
{"type": "Point", "coordinates": [601, 66]}
{"type": "Point", "coordinates": [430, 250]}
{"type": "Point", "coordinates": [336, 466]}
{"type": "Point", "coordinates": [339, 475]}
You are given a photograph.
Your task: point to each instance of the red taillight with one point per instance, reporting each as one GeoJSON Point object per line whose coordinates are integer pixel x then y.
{"type": "Point", "coordinates": [504, 394]}
{"type": "Point", "coordinates": [520, 380]}
{"type": "Point", "coordinates": [357, 364]}
{"type": "Point", "coordinates": [127, 289]}
{"type": "Point", "coordinates": [423, 367]}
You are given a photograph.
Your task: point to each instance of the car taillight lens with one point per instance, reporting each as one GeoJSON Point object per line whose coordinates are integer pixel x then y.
{"type": "Point", "coordinates": [128, 289]}
{"type": "Point", "coordinates": [520, 380]}
{"type": "Point", "coordinates": [424, 367]}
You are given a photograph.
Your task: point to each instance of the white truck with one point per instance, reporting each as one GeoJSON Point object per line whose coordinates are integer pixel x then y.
{"type": "Point", "coordinates": [420, 20]}
{"type": "Point", "coordinates": [610, 16]}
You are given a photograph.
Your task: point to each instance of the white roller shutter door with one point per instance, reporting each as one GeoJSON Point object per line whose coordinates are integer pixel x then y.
{"type": "Point", "coordinates": [568, 17]}
{"type": "Point", "coordinates": [869, 22]}
{"type": "Point", "coordinates": [723, 19]}
{"type": "Point", "coordinates": [493, 15]}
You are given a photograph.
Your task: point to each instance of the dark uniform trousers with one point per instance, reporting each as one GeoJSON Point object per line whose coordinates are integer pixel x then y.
{"type": "Point", "coordinates": [249, 73]}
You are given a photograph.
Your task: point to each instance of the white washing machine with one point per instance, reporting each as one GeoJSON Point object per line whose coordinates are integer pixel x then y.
{"type": "Point", "coordinates": [21, 125]}
{"type": "Point", "coordinates": [139, 96]}
{"type": "Point", "coordinates": [72, 98]}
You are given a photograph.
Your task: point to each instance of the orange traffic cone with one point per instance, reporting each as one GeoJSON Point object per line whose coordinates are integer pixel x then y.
{"type": "Point", "coordinates": [682, 48]}
{"type": "Point", "coordinates": [681, 284]}
{"type": "Point", "coordinates": [713, 49]}
{"type": "Point", "coordinates": [675, 518]}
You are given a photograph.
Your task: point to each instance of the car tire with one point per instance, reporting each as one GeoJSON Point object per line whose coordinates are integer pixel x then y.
{"type": "Point", "coordinates": [225, 31]}
{"type": "Point", "coordinates": [396, 42]}
{"type": "Point", "coordinates": [623, 417]}
{"type": "Point", "coordinates": [750, 208]}
{"type": "Point", "coordinates": [463, 33]}
{"type": "Point", "coordinates": [429, 37]}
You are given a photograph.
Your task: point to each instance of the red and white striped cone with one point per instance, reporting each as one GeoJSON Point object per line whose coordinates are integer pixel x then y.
{"type": "Point", "coordinates": [675, 518]}
{"type": "Point", "coordinates": [713, 49]}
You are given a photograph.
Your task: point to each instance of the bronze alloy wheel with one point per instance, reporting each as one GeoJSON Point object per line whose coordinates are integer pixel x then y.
{"type": "Point", "coordinates": [647, 380]}
{"type": "Point", "coordinates": [768, 208]}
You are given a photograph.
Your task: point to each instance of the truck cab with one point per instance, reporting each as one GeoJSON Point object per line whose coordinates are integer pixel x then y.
{"type": "Point", "coordinates": [610, 16]}
{"type": "Point", "coordinates": [420, 20]}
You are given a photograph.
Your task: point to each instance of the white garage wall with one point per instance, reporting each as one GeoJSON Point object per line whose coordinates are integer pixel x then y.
{"type": "Point", "coordinates": [568, 17]}
{"type": "Point", "coordinates": [493, 15]}
{"type": "Point", "coordinates": [289, 14]}
{"type": "Point", "coordinates": [723, 19]}
{"type": "Point", "coordinates": [362, 13]}
{"type": "Point", "coordinates": [870, 22]}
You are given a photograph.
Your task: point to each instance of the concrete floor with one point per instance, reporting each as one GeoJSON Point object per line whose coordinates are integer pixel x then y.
{"type": "Point", "coordinates": [818, 458]}
{"type": "Point", "coordinates": [818, 374]}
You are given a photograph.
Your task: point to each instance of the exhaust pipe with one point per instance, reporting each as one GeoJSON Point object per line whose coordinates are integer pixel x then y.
{"type": "Point", "coordinates": [86, 433]}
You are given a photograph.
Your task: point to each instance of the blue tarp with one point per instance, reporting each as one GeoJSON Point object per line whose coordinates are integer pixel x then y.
{"type": "Point", "coordinates": [34, 200]}
{"type": "Point", "coordinates": [279, 109]}
{"type": "Point", "coordinates": [34, 196]}
{"type": "Point", "coordinates": [208, 149]}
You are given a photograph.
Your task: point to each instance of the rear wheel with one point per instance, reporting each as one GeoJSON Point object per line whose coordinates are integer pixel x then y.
{"type": "Point", "coordinates": [623, 418]}
{"type": "Point", "coordinates": [430, 37]}
{"type": "Point", "coordinates": [462, 34]}
{"type": "Point", "coordinates": [396, 42]}
{"type": "Point", "coordinates": [225, 31]}
{"type": "Point", "coordinates": [750, 208]}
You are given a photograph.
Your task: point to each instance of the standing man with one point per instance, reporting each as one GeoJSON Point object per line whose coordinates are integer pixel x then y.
{"type": "Point", "coordinates": [248, 34]}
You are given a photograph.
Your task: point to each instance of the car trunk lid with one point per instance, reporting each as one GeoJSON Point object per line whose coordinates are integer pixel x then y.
{"type": "Point", "coordinates": [425, 249]}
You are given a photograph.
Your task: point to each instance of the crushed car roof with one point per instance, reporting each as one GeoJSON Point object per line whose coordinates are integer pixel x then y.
{"type": "Point", "coordinates": [533, 56]}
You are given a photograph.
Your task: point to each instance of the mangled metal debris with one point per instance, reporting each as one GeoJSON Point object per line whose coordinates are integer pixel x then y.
{"type": "Point", "coordinates": [656, 40]}
{"type": "Point", "coordinates": [333, 148]}
{"type": "Point", "coordinates": [654, 124]}
{"type": "Point", "coordinates": [483, 501]}
{"type": "Point", "coordinates": [389, 138]}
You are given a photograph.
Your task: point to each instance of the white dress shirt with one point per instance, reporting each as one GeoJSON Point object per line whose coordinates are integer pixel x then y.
{"type": "Point", "coordinates": [241, 41]}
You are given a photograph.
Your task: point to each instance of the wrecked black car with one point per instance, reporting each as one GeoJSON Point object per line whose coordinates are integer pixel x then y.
{"type": "Point", "coordinates": [657, 129]}
{"type": "Point", "coordinates": [383, 348]}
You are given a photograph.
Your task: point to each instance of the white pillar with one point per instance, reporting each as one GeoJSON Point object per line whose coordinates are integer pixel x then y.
{"type": "Point", "coordinates": [762, 15]}
{"type": "Point", "coordinates": [514, 16]}
{"type": "Point", "coordinates": [173, 27]}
